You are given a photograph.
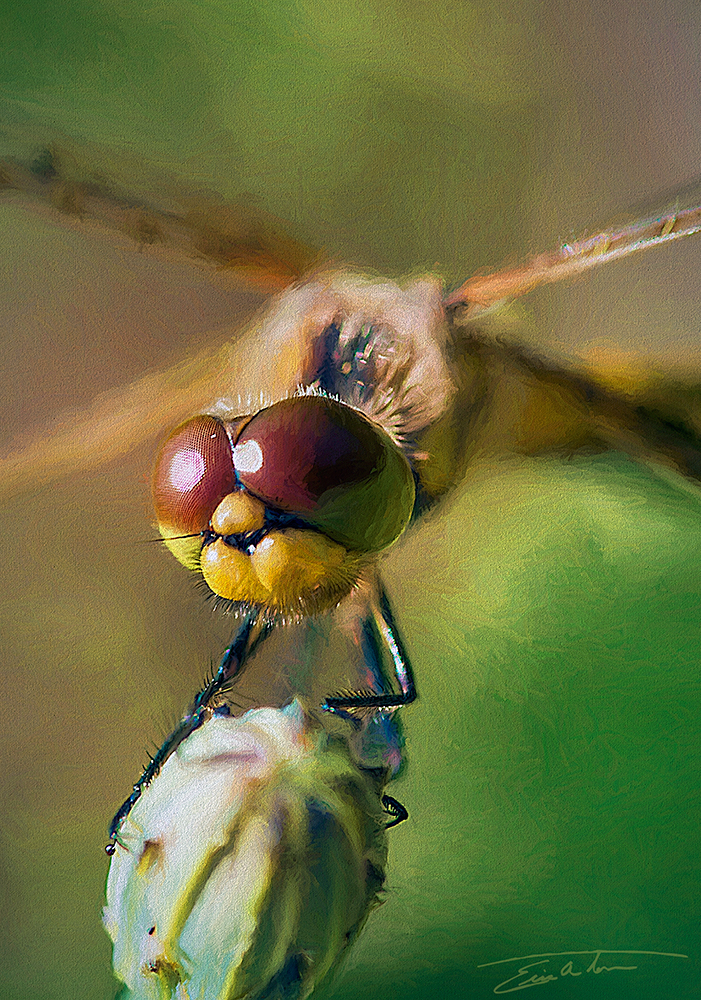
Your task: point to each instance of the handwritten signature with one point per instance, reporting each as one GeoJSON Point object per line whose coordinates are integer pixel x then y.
{"type": "Point", "coordinates": [569, 968]}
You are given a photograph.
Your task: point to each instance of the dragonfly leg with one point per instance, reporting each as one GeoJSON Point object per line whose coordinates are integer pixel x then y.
{"type": "Point", "coordinates": [394, 809]}
{"type": "Point", "coordinates": [231, 665]}
{"type": "Point", "coordinates": [380, 636]}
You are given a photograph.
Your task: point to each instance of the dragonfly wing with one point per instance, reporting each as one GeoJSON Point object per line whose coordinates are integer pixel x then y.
{"type": "Point", "coordinates": [482, 292]}
{"type": "Point", "coordinates": [511, 402]}
{"type": "Point", "coordinates": [95, 188]}
{"type": "Point", "coordinates": [399, 352]}
{"type": "Point", "coordinates": [284, 349]}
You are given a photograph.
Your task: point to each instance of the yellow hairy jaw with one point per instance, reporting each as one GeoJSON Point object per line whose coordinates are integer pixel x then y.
{"type": "Point", "coordinates": [290, 571]}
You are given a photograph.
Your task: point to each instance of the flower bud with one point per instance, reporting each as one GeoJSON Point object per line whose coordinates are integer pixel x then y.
{"type": "Point", "coordinates": [248, 865]}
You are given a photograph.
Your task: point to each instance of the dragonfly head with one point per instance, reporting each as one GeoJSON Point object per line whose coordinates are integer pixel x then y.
{"type": "Point", "coordinates": [283, 507]}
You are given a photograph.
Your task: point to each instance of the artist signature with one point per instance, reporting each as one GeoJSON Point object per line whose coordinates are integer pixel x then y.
{"type": "Point", "coordinates": [575, 966]}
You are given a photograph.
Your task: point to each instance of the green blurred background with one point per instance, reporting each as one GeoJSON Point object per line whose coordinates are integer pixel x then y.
{"type": "Point", "coordinates": [551, 609]}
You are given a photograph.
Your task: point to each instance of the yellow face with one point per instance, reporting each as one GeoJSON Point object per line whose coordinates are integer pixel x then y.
{"type": "Point", "coordinates": [282, 509]}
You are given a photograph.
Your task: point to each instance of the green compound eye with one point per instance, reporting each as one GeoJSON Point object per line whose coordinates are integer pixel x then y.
{"type": "Point", "coordinates": [319, 459]}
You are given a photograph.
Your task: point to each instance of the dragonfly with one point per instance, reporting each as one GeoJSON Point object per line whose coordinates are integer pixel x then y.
{"type": "Point", "coordinates": [374, 397]}
{"type": "Point", "coordinates": [129, 416]}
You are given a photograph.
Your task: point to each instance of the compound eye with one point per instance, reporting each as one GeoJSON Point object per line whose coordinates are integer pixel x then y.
{"type": "Point", "coordinates": [325, 462]}
{"type": "Point", "coordinates": [194, 472]}
{"type": "Point", "coordinates": [292, 453]}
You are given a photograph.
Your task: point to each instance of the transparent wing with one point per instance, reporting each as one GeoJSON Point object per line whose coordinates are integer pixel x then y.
{"type": "Point", "coordinates": [144, 226]}
{"type": "Point", "coordinates": [482, 292]}
{"type": "Point", "coordinates": [96, 189]}
{"type": "Point", "coordinates": [444, 386]}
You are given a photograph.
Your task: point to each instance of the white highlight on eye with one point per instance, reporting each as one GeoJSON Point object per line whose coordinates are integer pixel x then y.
{"type": "Point", "coordinates": [248, 457]}
{"type": "Point", "coordinates": [186, 470]}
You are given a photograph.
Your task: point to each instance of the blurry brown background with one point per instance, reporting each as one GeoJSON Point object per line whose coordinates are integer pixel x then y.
{"type": "Point", "coordinates": [399, 137]}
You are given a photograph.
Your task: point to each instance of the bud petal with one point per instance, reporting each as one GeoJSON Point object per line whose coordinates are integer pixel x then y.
{"type": "Point", "coordinates": [248, 865]}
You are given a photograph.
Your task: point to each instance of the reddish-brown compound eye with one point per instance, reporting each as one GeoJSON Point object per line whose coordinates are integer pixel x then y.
{"type": "Point", "coordinates": [194, 472]}
{"type": "Point", "coordinates": [322, 460]}
{"type": "Point", "coordinates": [292, 453]}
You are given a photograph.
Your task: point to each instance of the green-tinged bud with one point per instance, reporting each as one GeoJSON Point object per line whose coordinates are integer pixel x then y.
{"type": "Point", "coordinates": [248, 865]}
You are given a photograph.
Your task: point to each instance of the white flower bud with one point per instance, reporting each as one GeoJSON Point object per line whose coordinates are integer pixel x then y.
{"type": "Point", "coordinates": [248, 865]}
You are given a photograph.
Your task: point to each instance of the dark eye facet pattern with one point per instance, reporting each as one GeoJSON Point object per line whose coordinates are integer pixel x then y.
{"type": "Point", "coordinates": [194, 472]}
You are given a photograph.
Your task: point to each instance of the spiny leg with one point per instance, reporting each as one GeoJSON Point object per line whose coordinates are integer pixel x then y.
{"type": "Point", "coordinates": [394, 809]}
{"type": "Point", "coordinates": [231, 665]}
{"type": "Point", "coordinates": [380, 634]}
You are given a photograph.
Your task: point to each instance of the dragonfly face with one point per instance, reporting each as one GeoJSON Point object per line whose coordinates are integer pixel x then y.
{"type": "Point", "coordinates": [286, 505]}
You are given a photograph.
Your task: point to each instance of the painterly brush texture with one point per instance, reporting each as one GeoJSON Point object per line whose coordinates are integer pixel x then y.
{"type": "Point", "coordinates": [547, 590]}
